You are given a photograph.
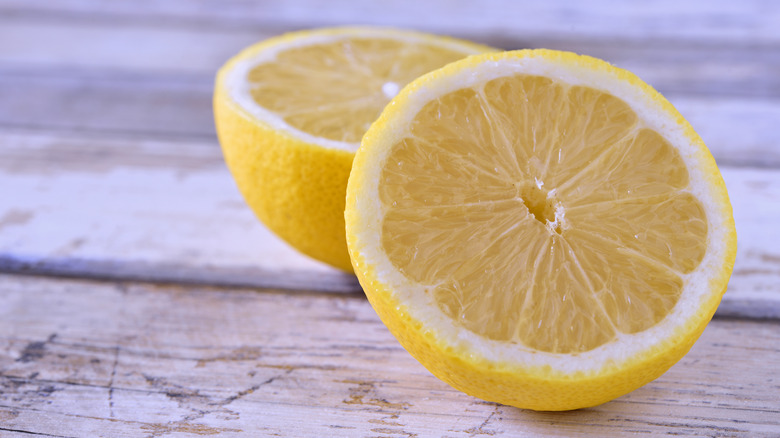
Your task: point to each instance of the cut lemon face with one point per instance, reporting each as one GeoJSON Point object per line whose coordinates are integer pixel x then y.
{"type": "Point", "coordinates": [290, 113]}
{"type": "Point", "coordinates": [539, 229]}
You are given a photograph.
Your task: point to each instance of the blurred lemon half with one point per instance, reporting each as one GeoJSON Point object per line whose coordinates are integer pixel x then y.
{"type": "Point", "coordinates": [290, 112]}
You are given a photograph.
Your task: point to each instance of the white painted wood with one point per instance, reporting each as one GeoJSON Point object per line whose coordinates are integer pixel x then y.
{"type": "Point", "coordinates": [168, 211]}
{"type": "Point", "coordinates": [152, 105]}
{"type": "Point", "coordinates": [755, 197]}
{"type": "Point", "coordinates": [180, 361]}
{"type": "Point", "coordinates": [738, 130]}
{"type": "Point", "coordinates": [706, 67]}
{"type": "Point", "coordinates": [62, 46]}
{"type": "Point", "coordinates": [753, 21]}
{"type": "Point", "coordinates": [98, 75]}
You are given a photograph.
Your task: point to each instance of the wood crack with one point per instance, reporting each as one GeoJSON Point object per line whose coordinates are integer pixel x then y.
{"type": "Point", "coordinates": [200, 404]}
{"type": "Point", "coordinates": [27, 432]}
{"type": "Point", "coordinates": [480, 430]}
{"type": "Point", "coordinates": [111, 382]}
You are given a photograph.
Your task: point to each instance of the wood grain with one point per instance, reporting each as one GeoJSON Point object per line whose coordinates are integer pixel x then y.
{"type": "Point", "coordinates": [168, 211]}
{"type": "Point", "coordinates": [749, 21]}
{"type": "Point", "coordinates": [152, 210]}
{"type": "Point", "coordinates": [109, 73]}
{"type": "Point", "coordinates": [70, 75]}
{"type": "Point", "coordinates": [739, 131]}
{"type": "Point", "coordinates": [171, 361]}
{"type": "Point", "coordinates": [709, 68]}
{"type": "Point", "coordinates": [149, 321]}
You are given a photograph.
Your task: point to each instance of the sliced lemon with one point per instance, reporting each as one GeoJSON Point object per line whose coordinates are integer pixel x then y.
{"type": "Point", "coordinates": [290, 112]}
{"type": "Point", "coordinates": [539, 229]}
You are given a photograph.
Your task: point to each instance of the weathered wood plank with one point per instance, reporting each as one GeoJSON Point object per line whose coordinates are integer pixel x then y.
{"type": "Point", "coordinates": [753, 21]}
{"type": "Point", "coordinates": [167, 210]}
{"type": "Point", "coordinates": [37, 43]}
{"type": "Point", "coordinates": [152, 105]}
{"type": "Point", "coordinates": [177, 361]}
{"type": "Point", "coordinates": [739, 131]}
{"type": "Point", "coordinates": [711, 68]}
{"type": "Point", "coordinates": [157, 79]}
{"type": "Point", "coordinates": [80, 205]}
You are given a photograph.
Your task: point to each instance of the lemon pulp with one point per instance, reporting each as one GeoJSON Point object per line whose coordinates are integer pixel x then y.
{"type": "Point", "coordinates": [541, 213]}
{"type": "Point", "coordinates": [335, 89]}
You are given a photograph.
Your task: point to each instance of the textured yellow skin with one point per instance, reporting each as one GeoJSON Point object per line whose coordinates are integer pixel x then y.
{"type": "Point", "coordinates": [294, 187]}
{"type": "Point", "coordinates": [537, 388]}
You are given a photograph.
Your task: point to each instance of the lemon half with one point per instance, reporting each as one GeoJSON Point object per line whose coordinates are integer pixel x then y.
{"type": "Point", "coordinates": [538, 228]}
{"type": "Point", "coordinates": [290, 112]}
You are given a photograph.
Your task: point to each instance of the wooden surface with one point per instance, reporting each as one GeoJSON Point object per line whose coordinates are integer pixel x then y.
{"type": "Point", "coordinates": [140, 297]}
{"type": "Point", "coordinates": [158, 360]}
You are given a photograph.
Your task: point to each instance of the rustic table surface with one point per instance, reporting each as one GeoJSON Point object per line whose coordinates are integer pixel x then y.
{"type": "Point", "coordinates": [140, 297]}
